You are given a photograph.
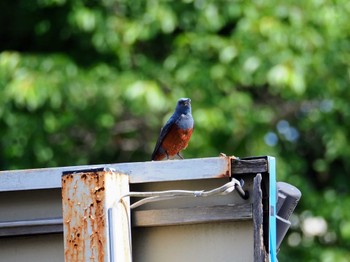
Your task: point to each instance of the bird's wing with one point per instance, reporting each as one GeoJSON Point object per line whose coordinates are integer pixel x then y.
{"type": "Point", "coordinates": [163, 132]}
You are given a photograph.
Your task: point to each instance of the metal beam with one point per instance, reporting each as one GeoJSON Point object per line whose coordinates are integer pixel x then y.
{"type": "Point", "coordinates": [31, 227]}
{"type": "Point", "coordinates": [139, 172]}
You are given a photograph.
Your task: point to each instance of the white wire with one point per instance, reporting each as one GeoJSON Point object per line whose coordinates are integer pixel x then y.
{"type": "Point", "coordinates": [170, 194]}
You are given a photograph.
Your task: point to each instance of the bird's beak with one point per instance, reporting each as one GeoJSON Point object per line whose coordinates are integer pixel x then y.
{"type": "Point", "coordinates": [188, 102]}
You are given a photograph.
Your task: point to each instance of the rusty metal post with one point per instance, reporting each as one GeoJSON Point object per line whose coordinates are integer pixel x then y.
{"type": "Point", "coordinates": [92, 212]}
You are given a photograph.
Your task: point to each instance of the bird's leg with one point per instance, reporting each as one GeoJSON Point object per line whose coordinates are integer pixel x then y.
{"type": "Point", "coordinates": [167, 156]}
{"type": "Point", "coordinates": [180, 155]}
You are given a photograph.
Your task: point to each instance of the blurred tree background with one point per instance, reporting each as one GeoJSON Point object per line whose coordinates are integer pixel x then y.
{"type": "Point", "coordinates": [87, 82]}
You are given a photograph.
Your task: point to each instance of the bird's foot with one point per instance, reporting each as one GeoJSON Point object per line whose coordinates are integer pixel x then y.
{"type": "Point", "coordinates": [181, 157]}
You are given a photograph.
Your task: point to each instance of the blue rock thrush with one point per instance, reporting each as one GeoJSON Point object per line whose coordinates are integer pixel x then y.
{"type": "Point", "coordinates": [176, 133]}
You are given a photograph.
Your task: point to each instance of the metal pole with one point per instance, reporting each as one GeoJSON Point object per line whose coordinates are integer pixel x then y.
{"type": "Point", "coordinates": [87, 197]}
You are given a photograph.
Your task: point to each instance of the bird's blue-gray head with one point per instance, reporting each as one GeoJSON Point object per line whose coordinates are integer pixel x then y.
{"type": "Point", "coordinates": [183, 106]}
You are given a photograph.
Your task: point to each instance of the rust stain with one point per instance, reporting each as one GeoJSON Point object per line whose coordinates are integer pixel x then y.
{"type": "Point", "coordinates": [226, 172]}
{"type": "Point", "coordinates": [83, 197]}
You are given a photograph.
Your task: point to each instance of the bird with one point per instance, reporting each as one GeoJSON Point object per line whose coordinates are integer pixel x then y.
{"type": "Point", "coordinates": [176, 133]}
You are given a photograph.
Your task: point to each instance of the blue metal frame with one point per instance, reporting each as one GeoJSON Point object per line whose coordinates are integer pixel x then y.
{"type": "Point", "coordinates": [272, 202]}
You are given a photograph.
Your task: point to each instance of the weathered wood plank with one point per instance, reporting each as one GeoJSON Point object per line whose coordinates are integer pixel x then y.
{"type": "Point", "coordinates": [259, 249]}
{"type": "Point", "coordinates": [258, 165]}
{"type": "Point", "coordinates": [191, 215]}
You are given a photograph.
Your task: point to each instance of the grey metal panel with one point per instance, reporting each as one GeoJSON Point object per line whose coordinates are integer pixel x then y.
{"type": "Point", "coordinates": [33, 204]}
{"type": "Point", "coordinates": [30, 212]}
{"type": "Point", "coordinates": [219, 241]}
{"type": "Point", "coordinates": [39, 248]}
{"type": "Point", "coordinates": [224, 242]}
{"type": "Point", "coordinates": [205, 184]}
{"type": "Point", "coordinates": [25, 204]}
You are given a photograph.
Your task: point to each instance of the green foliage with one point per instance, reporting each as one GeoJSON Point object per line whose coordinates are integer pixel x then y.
{"type": "Point", "coordinates": [85, 82]}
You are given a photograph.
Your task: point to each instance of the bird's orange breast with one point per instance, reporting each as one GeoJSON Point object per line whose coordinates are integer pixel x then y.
{"type": "Point", "coordinates": [176, 140]}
